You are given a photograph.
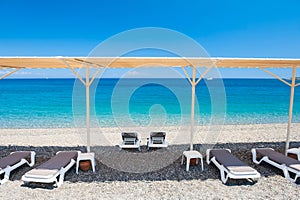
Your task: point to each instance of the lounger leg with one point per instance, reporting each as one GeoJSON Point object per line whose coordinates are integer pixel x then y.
{"type": "Point", "coordinates": [63, 171]}
{"type": "Point", "coordinates": [26, 183]}
{"type": "Point", "coordinates": [202, 168]}
{"type": "Point", "coordinates": [287, 171]}
{"type": "Point", "coordinates": [187, 164]}
{"type": "Point", "coordinates": [93, 164]}
{"type": "Point", "coordinates": [254, 158]}
{"type": "Point", "coordinates": [6, 175]}
{"type": "Point", "coordinates": [253, 151]}
{"type": "Point", "coordinates": [207, 156]}
{"type": "Point", "coordinates": [254, 180]}
{"type": "Point", "coordinates": [77, 166]}
{"type": "Point", "coordinates": [287, 175]}
{"type": "Point", "coordinates": [296, 177]}
{"type": "Point", "coordinates": [32, 159]}
{"type": "Point", "coordinates": [61, 180]}
{"type": "Point", "coordinates": [223, 177]}
{"type": "Point", "coordinates": [182, 158]}
{"type": "Point", "coordinates": [222, 170]}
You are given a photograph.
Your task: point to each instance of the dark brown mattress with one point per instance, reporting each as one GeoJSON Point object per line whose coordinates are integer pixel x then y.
{"type": "Point", "coordinates": [226, 158]}
{"type": "Point", "coordinates": [60, 160]}
{"type": "Point", "coordinates": [14, 158]}
{"type": "Point", "coordinates": [277, 157]}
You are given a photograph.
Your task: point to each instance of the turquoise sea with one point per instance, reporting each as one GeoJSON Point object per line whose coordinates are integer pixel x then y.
{"type": "Point", "coordinates": [44, 103]}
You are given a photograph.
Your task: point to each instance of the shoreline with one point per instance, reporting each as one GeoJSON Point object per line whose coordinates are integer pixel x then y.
{"type": "Point", "coordinates": [235, 122]}
{"type": "Point", "coordinates": [175, 134]}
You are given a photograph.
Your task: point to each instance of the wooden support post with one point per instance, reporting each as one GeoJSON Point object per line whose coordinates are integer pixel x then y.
{"type": "Point", "coordinates": [287, 143]}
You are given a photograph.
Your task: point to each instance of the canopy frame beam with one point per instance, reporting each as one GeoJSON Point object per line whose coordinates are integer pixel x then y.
{"type": "Point", "coordinates": [203, 75]}
{"type": "Point", "coordinates": [9, 73]}
{"type": "Point", "coordinates": [276, 76]}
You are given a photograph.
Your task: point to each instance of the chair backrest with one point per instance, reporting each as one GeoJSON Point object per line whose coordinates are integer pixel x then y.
{"type": "Point", "coordinates": [158, 134]}
{"type": "Point", "coordinates": [60, 160]}
{"type": "Point", "coordinates": [129, 135]}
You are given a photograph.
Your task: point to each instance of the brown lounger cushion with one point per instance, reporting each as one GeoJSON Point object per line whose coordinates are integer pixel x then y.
{"type": "Point", "coordinates": [133, 136]}
{"type": "Point", "coordinates": [158, 134]}
{"type": "Point", "coordinates": [13, 158]}
{"type": "Point", "coordinates": [129, 135]}
{"type": "Point", "coordinates": [226, 158]}
{"type": "Point", "coordinates": [60, 160]}
{"type": "Point", "coordinates": [277, 157]}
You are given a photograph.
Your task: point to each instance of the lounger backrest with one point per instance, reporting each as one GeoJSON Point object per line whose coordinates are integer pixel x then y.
{"type": "Point", "coordinates": [226, 158]}
{"type": "Point", "coordinates": [158, 134]}
{"type": "Point", "coordinates": [60, 160]}
{"type": "Point", "coordinates": [277, 157]}
{"type": "Point", "coordinates": [13, 158]}
{"type": "Point", "coordinates": [129, 135]}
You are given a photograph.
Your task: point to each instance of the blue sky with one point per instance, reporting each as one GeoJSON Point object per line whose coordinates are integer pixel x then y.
{"type": "Point", "coordinates": [224, 28]}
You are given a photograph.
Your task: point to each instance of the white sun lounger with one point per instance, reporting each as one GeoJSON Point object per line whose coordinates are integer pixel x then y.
{"type": "Point", "coordinates": [230, 166]}
{"type": "Point", "coordinates": [49, 171]}
{"type": "Point", "coordinates": [157, 140]}
{"type": "Point", "coordinates": [286, 164]}
{"type": "Point", "coordinates": [13, 161]}
{"type": "Point", "coordinates": [130, 141]}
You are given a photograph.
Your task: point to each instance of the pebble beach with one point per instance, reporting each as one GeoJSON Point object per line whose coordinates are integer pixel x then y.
{"type": "Point", "coordinates": [171, 181]}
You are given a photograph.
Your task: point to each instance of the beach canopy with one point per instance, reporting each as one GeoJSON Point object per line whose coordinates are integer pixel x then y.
{"type": "Point", "coordinates": [132, 62]}
{"type": "Point", "coordinates": [59, 62]}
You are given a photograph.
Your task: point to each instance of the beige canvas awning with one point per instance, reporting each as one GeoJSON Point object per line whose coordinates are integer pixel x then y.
{"type": "Point", "coordinates": [132, 62]}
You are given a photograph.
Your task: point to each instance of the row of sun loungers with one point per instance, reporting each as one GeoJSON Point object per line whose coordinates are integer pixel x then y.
{"type": "Point", "coordinates": [131, 140]}
{"type": "Point", "coordinates": [53, 170]}
{"type": "Point", "coordinates": [231, 167]}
